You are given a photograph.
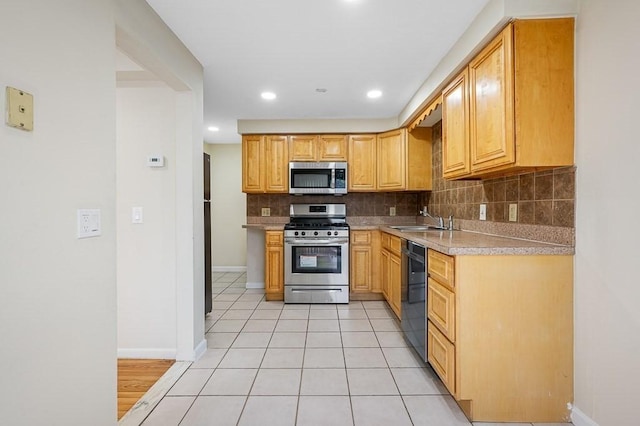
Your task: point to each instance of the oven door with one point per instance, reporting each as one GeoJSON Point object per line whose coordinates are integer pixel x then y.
{"type": "Point", "coordinates": [316, 261]}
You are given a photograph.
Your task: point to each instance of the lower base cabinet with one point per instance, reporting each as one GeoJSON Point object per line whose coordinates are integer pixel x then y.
{"type": "Point", "coordinates": [391, 271]}
{"type": "Point", "coordinates": [274, 265]}
{"type": "Point", "coordinates": [503, 342]}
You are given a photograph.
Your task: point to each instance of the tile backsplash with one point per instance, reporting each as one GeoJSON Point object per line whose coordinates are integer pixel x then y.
{"type": "Point", "coordinates": [543, 198]}
{"type": "Point", "coordinates": [358, 203]}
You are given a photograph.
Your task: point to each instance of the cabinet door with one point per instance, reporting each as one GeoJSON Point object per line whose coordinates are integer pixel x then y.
{"type": "Point", "coordinates": [395, 284]}
{"type": "Point", "coordinates": [491, 99]}
{"type": "Point", "coordinates": [392, 167]}
{"type": "Point", "coordinates": [441, 308]}
{"type": "Point", "coordinates": [455, 128]}
{"type": "Point", "coordinates": [276, 164]}
{"type": "Point", "coordinates": [441, 356]}
{"type": "Point", "coordinates": [252, 164]}
{"type": "Point", "coordinates": [332, 148]}
{"type": "Point", "coordinates": [302, 148]}
{"type": "Point", "coordinates": [274, 265]}
{"type": "Point", "coordinates": [385, 266]}
{"type": "Point", "coordinates": [362, 163]}
{"type": "Point", "coordinates": [361, 264]}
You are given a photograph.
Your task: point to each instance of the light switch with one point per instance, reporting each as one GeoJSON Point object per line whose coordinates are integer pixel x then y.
{"type": "Point", "coordinates": [19, 109]}
{"type": "Point", "coordinates": [136, 215]}
{"type": "Point", "coordinates": [89, 223]}
{"type": "Point", "coordinates": [266, 211]}
{"type": "Point", "coordinates": [392, 211]}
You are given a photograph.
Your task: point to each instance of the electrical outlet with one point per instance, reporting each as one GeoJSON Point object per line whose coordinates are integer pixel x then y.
{"type": "Point", "coordinates": [392, 211]}
{"type": "Point", "coordinates": [513, 212]}
{"type": "Point", "coordinates": [88, 223]}
{"type": "Point", "coordinates": [483, 212]}
{"type": "Point", "coordinates": [266, 211]}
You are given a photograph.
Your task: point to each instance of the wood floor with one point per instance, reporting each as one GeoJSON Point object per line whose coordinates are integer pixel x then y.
{"type": "Point", "coordinates": [135, 377]}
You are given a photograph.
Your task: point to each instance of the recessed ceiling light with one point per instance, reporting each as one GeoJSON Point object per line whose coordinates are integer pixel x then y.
{"type": "Point", "coordinates": [213, 129]}
{"type": "Point", "coordinates": [374, 94]}
{"type": "Point", "coordinates": [269, 96]}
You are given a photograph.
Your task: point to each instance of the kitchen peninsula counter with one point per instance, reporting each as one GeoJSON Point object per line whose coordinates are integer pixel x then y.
{"type": "Point", "coordinates": [476, 243]}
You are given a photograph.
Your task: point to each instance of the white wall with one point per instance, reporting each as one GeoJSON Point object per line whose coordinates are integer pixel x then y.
{"type": "Point", "coordinates": [57, 292]}
{"type": "Point", "coordinates": [607, 286]}
{"type": "Point", "coordinates": [146, 253]}
{"type": "Point", "coordinates": [142, 35]}
{"type": "Point", "coordinates": [228, 207]}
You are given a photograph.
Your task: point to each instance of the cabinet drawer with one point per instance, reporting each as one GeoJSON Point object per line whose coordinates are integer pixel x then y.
{"type": "Point", "coordinates": [362, 238]}
{"type": "Point", "coordinates": [441, 308]}
{"type": "Point", "coordinates": [391, 243]}
{"type": "Point", "coordinates": [274, 238]}
{"type": "Point", "coordinates": [441, 356]}
{"type": "Point", "coordinates": [441, 268]}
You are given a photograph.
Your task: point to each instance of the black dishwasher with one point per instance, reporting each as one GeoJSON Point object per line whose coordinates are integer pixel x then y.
{"type": "Point", "coordinates": [414, 280]}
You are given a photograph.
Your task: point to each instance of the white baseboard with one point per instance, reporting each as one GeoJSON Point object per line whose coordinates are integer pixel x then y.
{"type": "Point", "coordinates": [229, 269]}
{"type": "Point", "coordinates": [254, 285]}
{"type": "Point", "coordinates": [578, 418]}
{"type": "Point", "coordinates": [147, 353]}
{"type": "Point", "coordinates": [200, 350]}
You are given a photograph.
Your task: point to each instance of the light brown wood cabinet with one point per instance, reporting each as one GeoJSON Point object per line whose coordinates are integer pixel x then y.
{"type": "Point", "coordinates": [364, 261]}
{"type": "Point", "coordinates": [500, 333]}
{"type": "Point", "coordinates": [392, 161]}
{"type": "Point", "coordinates": [265, 166]}
{"type": "Point", "coordinates": [362, 163]}
{"type": "Point", "coordinates": [318, 148]}
{"type": "Point", "coordinates": [276, 164]}
{"type": "Point", "coordinates": [274, 265]}
{"type": "Point", "coordinates": [391, 271]}
{"type": "Point", "coordinates": [512, 108]}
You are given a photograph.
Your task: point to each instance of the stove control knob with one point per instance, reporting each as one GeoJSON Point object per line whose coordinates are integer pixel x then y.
{"type": "Point", "coordinates": [295, 233]}
{"type": "Point", "coordinates": [304, 233]}
{"type": "Point", "coordinates": [335, 233]}
{"type": "Point", "coordinates": [315, 233]}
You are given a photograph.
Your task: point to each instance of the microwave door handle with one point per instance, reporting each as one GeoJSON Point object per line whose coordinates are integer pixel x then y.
{"type": "Point", "coordinates": [332, 184]}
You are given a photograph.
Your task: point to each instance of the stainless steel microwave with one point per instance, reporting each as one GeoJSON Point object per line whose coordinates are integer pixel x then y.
{"type": "Point", "coordinates": [322, 177]}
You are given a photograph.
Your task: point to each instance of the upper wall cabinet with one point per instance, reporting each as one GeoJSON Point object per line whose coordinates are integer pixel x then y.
{"type": "Point", "coordinates": [512, 108]}
{"type": "Point", "coordinates": [318, 148]}
{"type": "Point", "coordinates": [362, 163]}
{"type": "Point", "coordinates": [265, 165]}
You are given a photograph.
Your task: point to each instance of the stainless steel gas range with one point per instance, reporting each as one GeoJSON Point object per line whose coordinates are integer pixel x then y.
{"type": "Point", "coordinates": [316, 254]}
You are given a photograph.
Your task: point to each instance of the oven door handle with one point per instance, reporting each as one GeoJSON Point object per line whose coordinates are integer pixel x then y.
{"type": "Point", "coordinates": [313, 242]}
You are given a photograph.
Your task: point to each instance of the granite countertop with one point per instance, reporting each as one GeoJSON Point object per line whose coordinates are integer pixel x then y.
{"type": "Point", "coordinates": [475, 243]}
{"type": "Point", "coordinates": [455, 242]}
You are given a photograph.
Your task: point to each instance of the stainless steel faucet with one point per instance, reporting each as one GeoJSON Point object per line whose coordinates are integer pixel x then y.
{"type": "Point", "coordinates": [450, 223]}
{"type": "Point", "coordinates": [440, 220]}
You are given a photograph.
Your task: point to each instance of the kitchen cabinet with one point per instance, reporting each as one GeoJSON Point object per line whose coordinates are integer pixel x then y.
{"type": "Point", "coordinates": [274, 265]}
{"type": "Point", "coordinates": [512, 108]}
{"type": "Point", "coordinates": [318, 148]}
{"type": "Point", "coordinates": [499, 334]}
{"type": "Point", "coordinates": [276, 164]}
{"type": "Point", "coordinates": [404, 160]}
{"type": "Point", "coordinates": [392, 160]}
{"type": "Point", "coordinates": [253, 163]}
{"type": "Point", "coordinates": [364, 262]}
{"type": "Point", "coordinates": [265, 166]}
{"type": "Point", "coordinates": [362, 163]}
{"type": "Point", "coordinates": [391, 271]}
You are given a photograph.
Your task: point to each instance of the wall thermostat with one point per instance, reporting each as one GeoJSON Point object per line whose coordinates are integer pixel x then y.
{"type": "Point", "coordinates": [155, 161]}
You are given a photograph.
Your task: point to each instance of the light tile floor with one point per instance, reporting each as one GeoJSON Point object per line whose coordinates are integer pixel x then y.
{"type": "Point", "coordinates": [271, 364]}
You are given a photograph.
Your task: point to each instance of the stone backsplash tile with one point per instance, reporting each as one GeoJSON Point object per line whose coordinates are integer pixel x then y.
{"type": "Point", "coordinates": [358, 204]}
{"type": "Point", "coordinates": [544, 198]}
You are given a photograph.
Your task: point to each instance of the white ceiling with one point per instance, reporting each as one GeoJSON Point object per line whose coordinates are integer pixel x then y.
{"type": "Point", "coordinates": [293, 47]}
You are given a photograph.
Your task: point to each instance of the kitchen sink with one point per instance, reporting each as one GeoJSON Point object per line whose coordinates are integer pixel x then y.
{"type": "Point", "coordinates": [416, 228]}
